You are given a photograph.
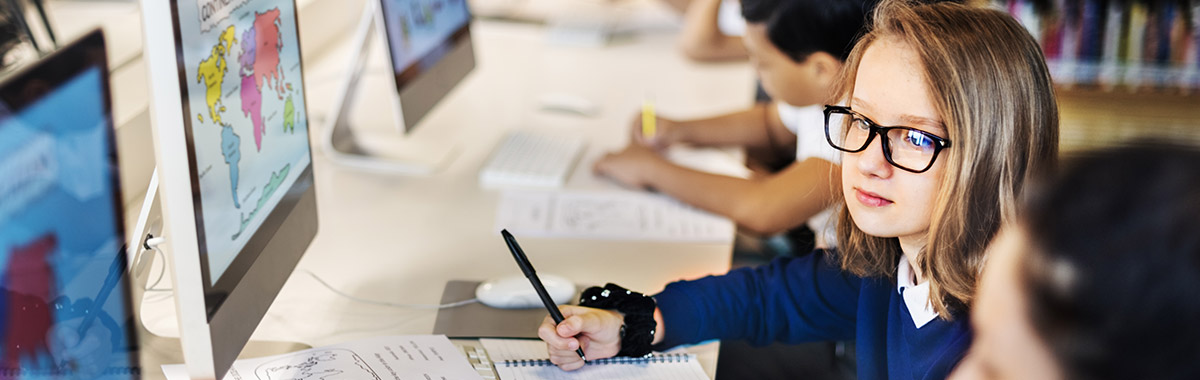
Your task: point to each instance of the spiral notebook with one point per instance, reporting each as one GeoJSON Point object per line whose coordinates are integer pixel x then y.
{"type": "Point", "coordinates": [517, 359]}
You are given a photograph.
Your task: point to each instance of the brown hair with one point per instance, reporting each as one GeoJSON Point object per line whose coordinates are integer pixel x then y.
{"type": "Point", "coordinates": [989, 83]}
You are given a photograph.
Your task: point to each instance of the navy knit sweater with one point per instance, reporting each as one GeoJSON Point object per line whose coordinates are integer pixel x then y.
{"type": "Point", "coordinates": [807, 299]}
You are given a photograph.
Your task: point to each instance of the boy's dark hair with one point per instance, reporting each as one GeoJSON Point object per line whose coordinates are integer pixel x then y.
{"type": "Point", "coordinates": [799, 28]}
{"type": "Point", "coordinates": [1114, 267]}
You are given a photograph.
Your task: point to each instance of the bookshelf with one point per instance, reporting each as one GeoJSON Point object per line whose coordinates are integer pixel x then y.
{"type": "Point", "coordinates": [1113, 45]}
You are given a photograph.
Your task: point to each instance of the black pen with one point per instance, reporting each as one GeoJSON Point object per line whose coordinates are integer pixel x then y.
{"type": "Point", "coordinates": [526, 267]}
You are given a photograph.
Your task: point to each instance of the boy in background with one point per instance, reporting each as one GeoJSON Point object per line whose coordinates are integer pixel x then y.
{"type": "Point", "coordinates": [797, 48]}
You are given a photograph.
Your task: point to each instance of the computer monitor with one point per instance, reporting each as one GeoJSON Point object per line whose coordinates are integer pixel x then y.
{"type": "Point", "coordinates": [429, 50]}
{"type": "Point", "coordinates": [64, 299]}
{"type": "Point", "coordinates": [235, 169]}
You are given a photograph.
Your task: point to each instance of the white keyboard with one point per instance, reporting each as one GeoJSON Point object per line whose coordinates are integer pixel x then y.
{"type": "Point", "coordinates": [531, 159]}
{"type": "Point", "coordinates": [477, 356]}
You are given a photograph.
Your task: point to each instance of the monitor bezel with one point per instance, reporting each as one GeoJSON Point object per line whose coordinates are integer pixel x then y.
{"type": "Point", "coordinates": [216, 292]}
{"type": "Point", "coordinates": [58, 68]}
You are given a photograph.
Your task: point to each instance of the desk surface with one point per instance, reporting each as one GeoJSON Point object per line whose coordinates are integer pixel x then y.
{"type": "Point", "coordinates": [400, 239]}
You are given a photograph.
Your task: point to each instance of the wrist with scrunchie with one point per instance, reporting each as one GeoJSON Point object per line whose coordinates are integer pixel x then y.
{"type": "Point", "coordinates": [637, 333]}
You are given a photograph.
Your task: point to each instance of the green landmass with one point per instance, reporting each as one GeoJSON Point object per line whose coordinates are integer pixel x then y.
{"type": "Point", "coordinates": [289, 115]}
{"type": "Point", "coordinates": [268, 190]}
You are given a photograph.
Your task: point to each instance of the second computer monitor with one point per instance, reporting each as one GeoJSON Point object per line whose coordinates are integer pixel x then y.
{"type": "Point", "coordinates": [430, 50]}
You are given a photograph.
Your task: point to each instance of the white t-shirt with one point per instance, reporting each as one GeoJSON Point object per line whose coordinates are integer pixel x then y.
{"type": "Point", "coordinates": [808, 123]}
{"type": "Point", "coordinates": [729, 18]}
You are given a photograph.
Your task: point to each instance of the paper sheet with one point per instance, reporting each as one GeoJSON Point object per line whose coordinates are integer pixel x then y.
{"type": "Point", "coordinates": [615, 215]}
{"type": "Point", "coordinates": [385, 358]}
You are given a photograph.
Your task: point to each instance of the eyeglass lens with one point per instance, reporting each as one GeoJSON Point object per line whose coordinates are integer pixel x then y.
{"type": "Point", "coordinates": [909, 148]}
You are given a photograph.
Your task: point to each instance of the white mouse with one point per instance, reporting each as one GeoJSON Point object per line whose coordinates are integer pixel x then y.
{"type": "Point", "coordinates": [515, 292]}
{"type": "Point", "coordinates": [567, 103]}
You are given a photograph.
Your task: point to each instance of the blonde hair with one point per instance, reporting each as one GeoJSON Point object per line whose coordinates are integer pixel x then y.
{"type": "Point", "coordinates": [989, 83]}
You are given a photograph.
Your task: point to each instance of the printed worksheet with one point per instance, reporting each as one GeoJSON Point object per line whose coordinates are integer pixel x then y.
{"type": "Point", "coordinates": [384, 358]}
{"type": "Point", "coordinates": [610, 215]}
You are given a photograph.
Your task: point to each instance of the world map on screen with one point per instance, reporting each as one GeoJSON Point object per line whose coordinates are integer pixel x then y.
{"type": "Point", "coordinates": [246, 101]}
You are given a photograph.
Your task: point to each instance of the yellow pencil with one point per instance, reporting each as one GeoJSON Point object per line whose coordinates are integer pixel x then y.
{"type": "Point", "coordinates": [648, 118]}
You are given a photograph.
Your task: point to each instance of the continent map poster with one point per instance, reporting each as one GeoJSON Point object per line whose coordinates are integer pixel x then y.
{"type": "Point", "coordinates": [246, 114]}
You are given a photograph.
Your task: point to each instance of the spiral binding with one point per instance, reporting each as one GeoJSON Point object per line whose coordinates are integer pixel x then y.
{"type": "Point", "coordinates": [658, 358]}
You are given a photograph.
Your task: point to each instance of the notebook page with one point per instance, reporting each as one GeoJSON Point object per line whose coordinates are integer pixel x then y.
{"type": "Point", "coordinates": [687, 369]}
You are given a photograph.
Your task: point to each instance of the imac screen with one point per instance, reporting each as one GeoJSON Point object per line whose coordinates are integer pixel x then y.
{"type": "Point", "coordinates": [245, 122]}
{"type": "Point", "coordinates": [421, 32]}
{"type": "Point", "coordinates": [64, 301]}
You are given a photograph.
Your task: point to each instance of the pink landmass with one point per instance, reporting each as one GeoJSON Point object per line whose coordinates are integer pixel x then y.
{"type": "Point", "coordinates": [266, 63]}
{"type": "Point", "coordinates": [252, 108]}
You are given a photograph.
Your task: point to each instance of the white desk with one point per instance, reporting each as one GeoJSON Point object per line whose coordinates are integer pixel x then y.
{"type": "Point", "coordinates": [401, 239]}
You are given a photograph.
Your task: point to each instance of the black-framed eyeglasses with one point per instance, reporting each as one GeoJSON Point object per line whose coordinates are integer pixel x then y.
{"type": "Point", "coordinates": [906, 148]}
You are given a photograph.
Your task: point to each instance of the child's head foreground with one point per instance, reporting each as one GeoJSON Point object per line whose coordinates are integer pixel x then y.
{"type": "Point", "coordinates": [1098, 277]}
{"type": "Point", "coordinates": [972, 88]}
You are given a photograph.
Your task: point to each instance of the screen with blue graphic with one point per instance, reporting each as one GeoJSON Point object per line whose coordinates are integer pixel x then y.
{"type": "Point", "coordinates": [421, 32]}
{"type": "Point", "coordinates": [64, 301]}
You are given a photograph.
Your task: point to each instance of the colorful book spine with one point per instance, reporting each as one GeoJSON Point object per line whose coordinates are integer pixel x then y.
{"type": "Point", "coordinates": [1191, 80]}
{"type": "Point", "coordinates": [1052, 37]}
{"type": "Point", "coordinates": [1028, 16]}
{"type": "Point", "coordinates": [1114, 35]}
{"type": "Point", "coordinates": [1091, 33]}
{"type": "Point", "coordinates": [1180, 35]}
{"type": "Point", "coordinates": [1091, 22]}
{"type": "Point", "coordinates": [1138, 18]}
{"type": "Point", "coordinates": [1071, 30]}
{"type": "Point", "coordinates": [1166, 17]}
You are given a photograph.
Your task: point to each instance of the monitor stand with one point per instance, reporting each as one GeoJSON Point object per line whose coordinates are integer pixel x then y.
{"type": "Point", "coordinates": [155, 350]}
{"type": "Point", "coordinates": [386, 154]}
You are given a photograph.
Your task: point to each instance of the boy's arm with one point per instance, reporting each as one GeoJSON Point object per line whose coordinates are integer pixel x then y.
{"type": "Point", "coordinates": [702, 39]}
{"type": "Point", "coordinates": [754, 127]}
{"type": "Point", "coordinates": [766, 206]}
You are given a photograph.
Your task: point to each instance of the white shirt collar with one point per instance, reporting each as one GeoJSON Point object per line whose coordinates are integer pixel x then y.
{"type": "Point", "coordinates": [916, 297]}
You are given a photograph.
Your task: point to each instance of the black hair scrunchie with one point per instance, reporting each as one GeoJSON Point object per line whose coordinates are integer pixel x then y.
{"type": "Point", "coordinates": [638, 331]}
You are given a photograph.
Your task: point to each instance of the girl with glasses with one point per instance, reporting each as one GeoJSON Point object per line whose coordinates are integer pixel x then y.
{"type": "Point", "coordinates": [944, 110]}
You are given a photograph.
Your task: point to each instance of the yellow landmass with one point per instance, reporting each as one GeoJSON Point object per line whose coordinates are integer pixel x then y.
{"type": "Point", "coordinates": [200, 116]}
{"type": "Point", "coordinates": [212, 72]}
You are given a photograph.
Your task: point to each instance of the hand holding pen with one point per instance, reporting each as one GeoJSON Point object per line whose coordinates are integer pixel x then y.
{"type": "Point", "coordinates": [596, 331]}
{"type": "Point", "coordinates": [567, 336]}
{"type": "Point", "coordinates": [652, 130]}
{"type": "Point", "coordinates": [531, 274]}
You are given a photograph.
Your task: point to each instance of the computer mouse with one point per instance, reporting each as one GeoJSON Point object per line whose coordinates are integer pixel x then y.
{"type": "Point", "coordinates": [567, 103]}
{"type": "Point", "coordinates": [515, 292]}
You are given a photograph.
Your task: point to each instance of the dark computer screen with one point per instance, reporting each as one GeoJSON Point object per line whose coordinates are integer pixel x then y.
{"type": "Point", "coordinates": [64, 301]}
